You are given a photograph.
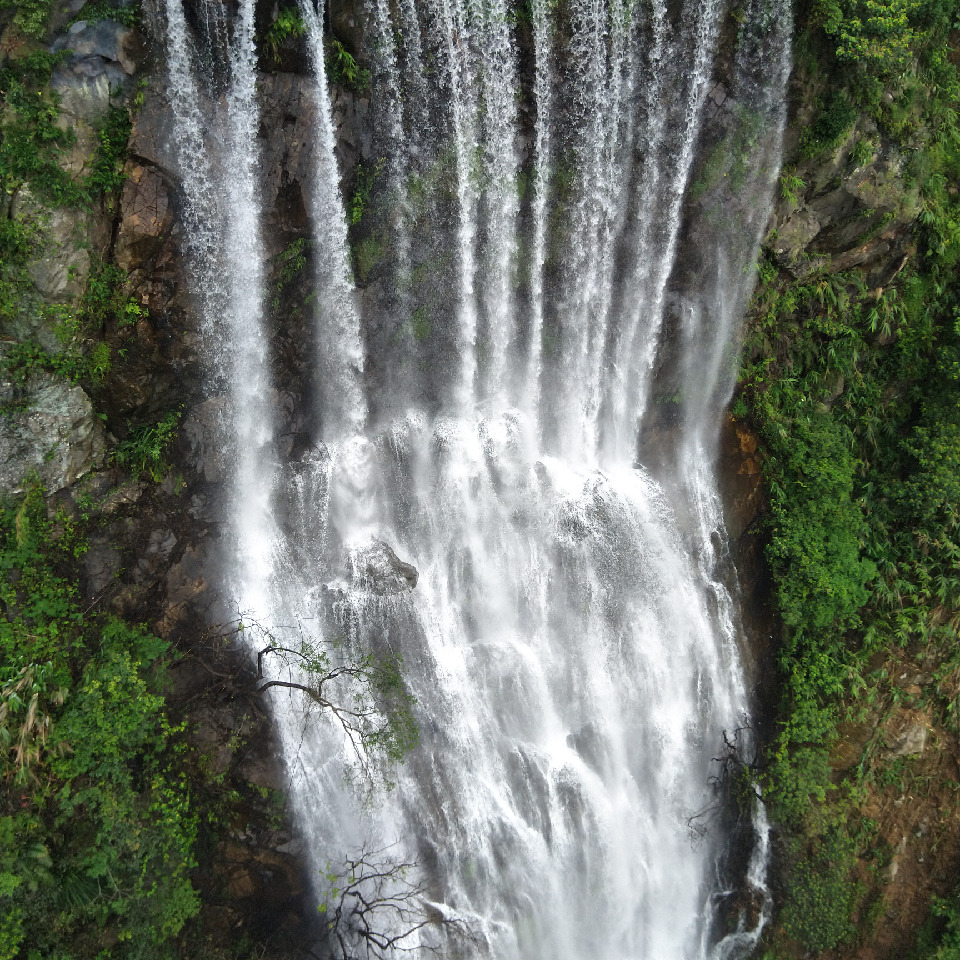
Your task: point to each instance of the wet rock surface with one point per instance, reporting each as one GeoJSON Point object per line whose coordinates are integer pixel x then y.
{"type": "Point", "coordinates": [106, 39]}
{"type": "Point", "coordinates": [147, 215]}
{"type": "Point", "coordinates": [60, 272]}
{"type": "Point", "coordinates": [375, 568]}
{"type": "Point", "coordinates": [49, 431]}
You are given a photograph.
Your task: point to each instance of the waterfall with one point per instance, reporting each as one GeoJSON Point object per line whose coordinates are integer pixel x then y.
{"type": "Point", "coordinates": [543, 154]}
{"type": "Point", "coordinates": [340, 360]}
{"type": "Point", "coordinates": [218, 159]}
{"type": "Point", "coordinates": [490, 493]}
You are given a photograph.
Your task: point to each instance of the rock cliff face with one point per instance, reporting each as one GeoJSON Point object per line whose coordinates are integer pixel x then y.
{"type": "Point", "coordinates": [153, 554]}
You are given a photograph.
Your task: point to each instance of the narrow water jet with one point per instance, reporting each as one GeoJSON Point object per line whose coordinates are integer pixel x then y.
{"type": "Point", "coordinates": [342, 410]}
{"type": "Point", "coordinates": [218, 156]}
{"type": "Point", "coordinates": [543, 157]}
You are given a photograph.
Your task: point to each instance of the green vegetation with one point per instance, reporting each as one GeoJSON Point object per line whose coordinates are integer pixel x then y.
{"type": "Point", "coordinates": [790, 186]}
{"type": "Point", "coordinates": [289, 25]}
{"type": "Point", "coordinates": [344, 70]}
{"type": "Point", "coordinates": [822, 896]}
{"type": "Point", "coordinates": [106, 303]}
{"type": "Point", "coordinates": [863, 507]}
{"type": "Point", "coordinates": [83, 356]}
{"type": "Point", "coordinates": [32, 143]}
{"type": "Point", "coordinates": [97, 826]}
{"type": "Point", "coordinates": [854, 393]}
{"type": "Point", "coordinates": [288, 265]}
{"type": "Point", "coordinates": [729, 158]}
{"type": "Point", "coordinates": [420, 325]}
{"type": "Point", "coordinates": [21, 241]}
{"type": "Point", "coordinates": [94, 10]}
{"type": "Point", "coordinates": [831, 126]}
{"type": "Point", "coordinates": [30, 18]}
{"type": "Point", "coordinates": [113, 133]}
{"type": "Point", "coordinates": [366, 177]}
{"type": "Point", "coordinates": [144, 451]}
{"type": "Point", "coordinates": [366, 255]}
{"type": "Point", "coordinates": [940, 937]}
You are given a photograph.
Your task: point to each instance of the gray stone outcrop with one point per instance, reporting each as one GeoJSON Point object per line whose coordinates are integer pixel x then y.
{"type": "Point", "coordinates": [52, 433]}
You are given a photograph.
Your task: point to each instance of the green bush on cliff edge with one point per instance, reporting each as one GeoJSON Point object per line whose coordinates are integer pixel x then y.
{"type": "Point", "coordinates": [855, 395]}
{"type": "Point", "coordinates": [97, 827]}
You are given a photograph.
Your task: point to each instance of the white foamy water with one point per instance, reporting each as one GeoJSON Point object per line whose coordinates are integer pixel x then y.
{"type": "Point", "coordinates": [570, 640]}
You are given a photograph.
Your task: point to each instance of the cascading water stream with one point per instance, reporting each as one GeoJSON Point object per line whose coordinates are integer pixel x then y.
{"type": "Point", "coordinates": [543, 154]}
{"type": "Point", "coordinates": [248, 363]}
{"type": "Point", "coordinates": [340, 361]}
{"type": "Point", "coordinates": [561, 612]}
{"type": "Point", "coordinates": [222, 216]}
{"type": "Point", "coordinates": [456, 26]}
{"type": "Point", "coordinates": [496, 78]}
{"type": "Point", "coordinates": [642, 318]}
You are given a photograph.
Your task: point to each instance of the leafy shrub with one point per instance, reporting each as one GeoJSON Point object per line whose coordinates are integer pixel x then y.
{"type": "Point", "coordinates": [144, 450]}
{"type": "Point", "coordinates": [21, 241]}
{"type": "Point", "coordinates": [31, 16]}
{"type": "Point", "coordinates": [288, 25]}
{"type": "Point", "coordinates": [343, 69]}
{"type": "Point", "coordinates": [93, 10]}
{"type": "Point", "coordinates": [366, 177]}
{"type": "Point", "coordinates": [96, 823]}
{"type": "Point", "coordinates": [939, 938]}
{"type": "Point", "coordinates": [31, 142]}
{"type": "Point", "coordinates": [830, 127]}
{"type": "Point", "coordinates": [113, 134]}
{"type": "Point", "coordinates": [878, 36]}
{"type": "Point", "coordinates": [822, 895]}
{"type": "Point", "coordinates": [818, 528]}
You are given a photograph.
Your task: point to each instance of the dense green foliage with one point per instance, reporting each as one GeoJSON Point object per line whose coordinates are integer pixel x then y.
{"type": "Point", "coordinates": [93, 10]}
{"type": "Point", "coordinates": [21, 241]}
{"type": "Point", "coordinates": [144, 451]}
{"type": "Point", "coordinates": [821, 896]}
{"type": "Point", "coordinates": [31, 16]}
{"type": "Point", "coordinates": [855, 394]}
{"type": "Point", "coordinates": [31, 143]}
{"type": "Point", "coordinates": [96, 823]}
{"type": "Point", "coordinates": [940, 937]}
{"type": "Point", "coordinates": [862, 486]}
{"type": "Point", "coordinates": [343, 69]}
{"type": "Point", "coordinates": [367, 174]}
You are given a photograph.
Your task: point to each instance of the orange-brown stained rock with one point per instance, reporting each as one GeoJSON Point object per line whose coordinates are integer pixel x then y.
{"type": "Point", "coordinates": [748, 440]}
{"type": "Point", "coordinates": [740, 476]}
{"type": "Point", "coordinates": [146, 215]}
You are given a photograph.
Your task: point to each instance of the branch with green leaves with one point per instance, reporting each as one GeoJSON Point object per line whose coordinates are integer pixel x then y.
{"type": "Point", "coordinates": [365, 694]}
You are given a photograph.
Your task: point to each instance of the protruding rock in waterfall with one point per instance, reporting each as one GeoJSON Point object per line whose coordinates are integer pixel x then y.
{"type": "Point", "coordinates": [375, 568]}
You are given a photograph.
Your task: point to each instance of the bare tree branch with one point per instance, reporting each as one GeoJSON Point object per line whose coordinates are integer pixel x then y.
{"type": "Point", "coordinates": [364, 694]}
{"type": "Point", "coordinates": [376, 909]}
{"type": "Point", "coordinates": [736, 774]}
